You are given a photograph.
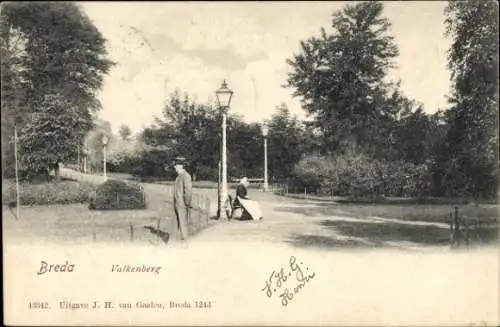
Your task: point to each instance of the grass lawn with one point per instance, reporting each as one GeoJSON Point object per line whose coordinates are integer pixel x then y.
{"type": "Point", "coordinates": [379, 224]}
{"type": "Point", "coordinates": [59, 212]}
{"type": "Point", "coordinates": [412, 212]}
{"type": "Point", "coordinates": [75, 223]}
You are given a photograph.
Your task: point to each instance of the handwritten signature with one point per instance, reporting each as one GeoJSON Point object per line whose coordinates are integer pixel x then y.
{"type": "Point", "coordinates": [277, 279]}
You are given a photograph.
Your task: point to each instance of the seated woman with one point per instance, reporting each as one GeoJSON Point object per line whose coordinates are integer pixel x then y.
{"type": "Point", "coordinates": [251, 209]}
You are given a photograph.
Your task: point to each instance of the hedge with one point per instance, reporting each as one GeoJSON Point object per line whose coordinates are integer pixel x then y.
{"type": "Point", "coordinates": [118, 195]}
{"type": "Point", "coordinates": [49, 193]}
{"type": "Point", "coordinates": [357, 176]}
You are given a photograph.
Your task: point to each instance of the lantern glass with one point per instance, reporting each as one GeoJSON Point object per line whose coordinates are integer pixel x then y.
{"type": "Point", "coordinates": [105, 140]}
{"type": "Point", "coordinates": [265, 129]}
{"type": "Point", "coordinates": [224, 95]}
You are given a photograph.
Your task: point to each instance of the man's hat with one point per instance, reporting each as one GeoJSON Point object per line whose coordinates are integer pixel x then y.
{"type": "Point", "coordinates": [180, 161]}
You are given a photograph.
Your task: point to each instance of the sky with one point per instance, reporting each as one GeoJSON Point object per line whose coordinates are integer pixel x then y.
{"type": "Point", "coordinates": [193, 46]}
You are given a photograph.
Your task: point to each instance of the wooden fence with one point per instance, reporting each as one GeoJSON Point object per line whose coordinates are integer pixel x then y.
{"type": "Point", "coordinates": [200, 212]}
{"type": "Point", "coordinates": [465, 231]}
{"type": "Point", "coordinates": [278, 188]}
{"type": "Point", "coordinates": [282, 189]}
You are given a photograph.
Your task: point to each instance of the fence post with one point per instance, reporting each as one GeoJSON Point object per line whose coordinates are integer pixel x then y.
{"type": "Point", "coordinates": [451, 228]}
{"type": "Point", "coordinates": [466, 225]}
{"type": "Point", "coordinates": [131, 232]}
{"type": "Point", "coordinates": [194, 213]}
{"type": "Point", "coordinates": [207, 209]}
{"type": "Point", "coordinates": [158, 223]}
{"type": "Point", "coordinates": [456, 229]}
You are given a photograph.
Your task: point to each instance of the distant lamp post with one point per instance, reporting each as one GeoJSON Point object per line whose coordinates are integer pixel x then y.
{"type": "Point", "coordinates": [265, 131]}
{"type": "Point", "coordinates": [105, 141]}
{"type": "Point", "coordinates": [85, 158]}
{"type": "Point", "coordinates": [224, 95]}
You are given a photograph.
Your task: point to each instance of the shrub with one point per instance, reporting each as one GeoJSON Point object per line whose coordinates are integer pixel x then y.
{"type": "Point", "coordinates": [354, 175]}
{"type": "Point", "coordinates": [309, 173]}
{"type": "Point", "coordinates": [204, 172]}
{"type": "Point", "coordinates": [117, 195]}
{"type": "Point", "coordinates": [63, 192]}
{"type": "Point", "coordinates": [359, 176]}
{"type": "Point", "coordinates": [149, 163]}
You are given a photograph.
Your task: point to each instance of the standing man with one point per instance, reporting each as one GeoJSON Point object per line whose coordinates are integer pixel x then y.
{"type": "Point", "coordinates": [182, 197]}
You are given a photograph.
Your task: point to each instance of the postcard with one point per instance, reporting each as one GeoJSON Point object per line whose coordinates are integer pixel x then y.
{"type": "Point", "coordinates": [250, 163]}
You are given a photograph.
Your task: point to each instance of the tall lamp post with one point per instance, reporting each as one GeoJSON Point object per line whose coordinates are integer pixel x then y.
{"type": "Point", "coordinates": [265, 131]}
{"type": "Point", "coordinates": [104, 145]}
{"type": "Point", "coordinates": [85, 158]}
{"type": "Point", "coordinates": [18, 197]}
{"type": "Point", "coordinates": [224, 95]}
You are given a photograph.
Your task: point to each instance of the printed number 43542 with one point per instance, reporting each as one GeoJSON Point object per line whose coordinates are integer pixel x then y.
{"type": "Point", "coordinates": [203, 304]}
{"type": "Point", "coordinates": [38, 305]}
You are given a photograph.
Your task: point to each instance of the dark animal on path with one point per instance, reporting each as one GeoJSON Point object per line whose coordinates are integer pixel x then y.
{"type": "Point", "coordinates": [163, 235]}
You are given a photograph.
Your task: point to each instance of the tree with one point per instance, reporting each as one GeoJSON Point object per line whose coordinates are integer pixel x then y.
{"type": "Point", "coordinates": [64, 57]}
{"type": "Point", "coordinates": [245, 148]}
{"type": "Point", "coordinates": [193, 130]}
{"type": "Point", "coordinates": [414, 137]}
{"type": "Point", "coordinates": [188, 129]}
{"type": "Point", "coordinates": [50, 138]}
{"type": "Point", "coordinates": [12, 54]}
{"type": "Point", "coordinates": [125, 132]}
{"type": "Point", "coordinates": [469, 157]}
{"type": "Point", "coordinates": [341, 77]}
{"type": "Point", "coordinates": [286, 142]}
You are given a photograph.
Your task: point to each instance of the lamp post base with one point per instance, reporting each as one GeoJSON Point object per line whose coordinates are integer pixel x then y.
{"type": "Point", "coordinates": [224, 206]}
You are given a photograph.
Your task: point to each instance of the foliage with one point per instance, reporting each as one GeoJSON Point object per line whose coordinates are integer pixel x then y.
{"type": "Point", "coordinates": [63, 192]}
{"type": "Point", "coordinates": [406, 179]}
{"type": "Point", "coordinates": [415, 137]}
{"type": "Point", "coordinates": [68, 56]}
{"type": "Point", "coordinates": [53, 50]}
{"type": "Point", "coordinates": [52, 135]}
{"type": "Point", "coordinates": [193, 130]}
{"type": "Point", "coordinates": [120, 151]}
{"type": "Point", "coordinates": [245, 149]}
{"type": "Point", "coordinates": [151, 162]}
{"type": "Point", "coordinates": [286, 142]}
{"type": "Point", "coordinates": [308, 174]}
{"type": "Point", "coordinates": [357, 175]}
{"type": "Point", "coordinates": [186, 129]}
{"type": "Point", "coordinates": [117, 195]}
{"type": "Point", "coordinates": [121, 154]}
{"type": "Point", "coordinates": [341, 76]}
{"type": "Point", "coordinates": [468, 159]}
{"type": "Point", "coordinates": [12, 54]}
{"type": "Point", "coordinates": [125, 132]}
